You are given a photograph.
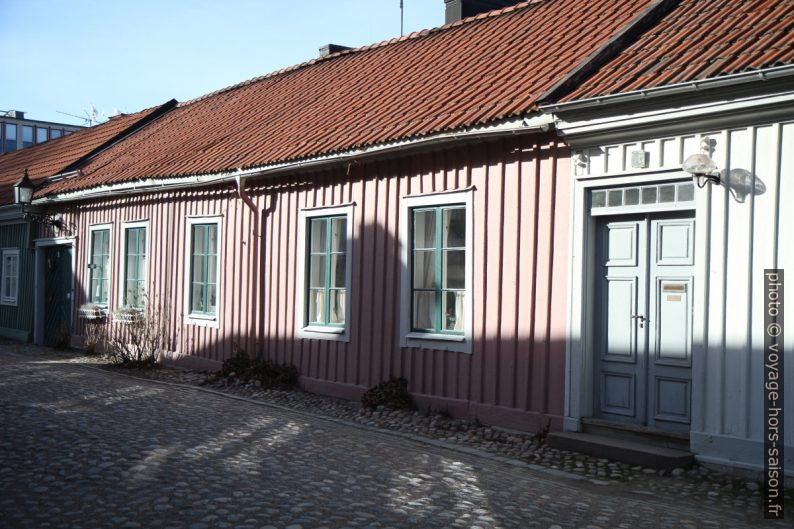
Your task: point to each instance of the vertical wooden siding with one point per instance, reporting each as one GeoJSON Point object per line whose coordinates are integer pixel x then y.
{"type": "Point", "coordinates": [521, 202]}
{"type": "Point", "coordinates": [17, 320]}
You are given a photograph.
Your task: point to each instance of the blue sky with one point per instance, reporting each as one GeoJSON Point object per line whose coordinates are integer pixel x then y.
{"type": "Point", "coordinates": [66, 55]}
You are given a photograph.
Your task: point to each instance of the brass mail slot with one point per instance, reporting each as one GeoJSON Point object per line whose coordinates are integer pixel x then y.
{"type": "Point", "coordinates": [674, 297]}
{"type": "Point", "coordinates": [674, 287]}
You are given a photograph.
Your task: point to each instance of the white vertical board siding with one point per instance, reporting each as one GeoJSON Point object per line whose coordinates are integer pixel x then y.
{"type": "Point", "coordinates": [736, 239]}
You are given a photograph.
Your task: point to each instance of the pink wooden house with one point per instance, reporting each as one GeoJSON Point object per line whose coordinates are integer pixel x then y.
{"type": "Point", "coordinates": [397, 209]}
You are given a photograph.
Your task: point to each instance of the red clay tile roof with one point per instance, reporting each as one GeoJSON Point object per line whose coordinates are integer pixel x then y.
{"type": "Point", "coordinates": [53, 157]}
{"type": "Point", "coordinates": [699, 39]}
{"type": "Point", "coordinates": [474, 71]}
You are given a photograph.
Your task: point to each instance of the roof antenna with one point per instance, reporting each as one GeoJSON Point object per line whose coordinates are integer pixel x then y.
{"type": "Point", "coordinates": [401, 18]}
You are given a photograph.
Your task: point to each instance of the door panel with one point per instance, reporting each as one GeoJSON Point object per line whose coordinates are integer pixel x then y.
{"type": "Point", "coordinates": [620, 295]}
{"type": "Point", "coordinates": [58, 294]}
{"type": "Point", "coordinates": [670, 322]}
{"type": "Point", "coordinates": [643, 319]}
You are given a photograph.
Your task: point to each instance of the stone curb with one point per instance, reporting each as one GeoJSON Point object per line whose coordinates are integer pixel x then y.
{"type": "Point", "coordinates": [403, 435]}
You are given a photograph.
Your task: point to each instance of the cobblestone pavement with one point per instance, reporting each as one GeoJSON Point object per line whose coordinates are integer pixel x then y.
{"type": "Point", "coordinates": [85, 448]}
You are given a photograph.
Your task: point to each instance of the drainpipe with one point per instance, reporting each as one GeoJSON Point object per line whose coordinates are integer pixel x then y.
{"type": "Point", "coordinates": [246, 198]}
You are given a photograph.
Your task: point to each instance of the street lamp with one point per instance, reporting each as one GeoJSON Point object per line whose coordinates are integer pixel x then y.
{"type": "Point", "coordinates": [23, 190]}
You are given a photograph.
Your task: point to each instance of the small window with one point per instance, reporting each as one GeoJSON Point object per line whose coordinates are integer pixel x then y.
{"type": "Point", "coordinates": [436, 288]}
{"type": "Point", "coordinates": [10, 137]}
{"type": "Point", "coordinates": [41, 134]}
{"type": "Point", "coordinates": [56, 133]}
{"type": "Point", "coordinates": [135, 266]}
{"type": "Point", "coordinates": [326, 271]}
{"type": "Point", "coordinates": [27, 136]}
{"type": "Point", "coordinates": [10, 277]}
{"type": "Point", "coordinates": [99, 266]}
{"type": "Point", "coordinates": [203, 269]}
{"type": "Point", "coordinates": [438, 269]}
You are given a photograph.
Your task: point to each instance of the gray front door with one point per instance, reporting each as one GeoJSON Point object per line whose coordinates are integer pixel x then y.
{"type": "Point", "coordinates": [643, 319]}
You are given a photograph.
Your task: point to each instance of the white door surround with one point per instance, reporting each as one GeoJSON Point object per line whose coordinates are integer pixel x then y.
{"type": "Point", "coordinates": [580, 362]}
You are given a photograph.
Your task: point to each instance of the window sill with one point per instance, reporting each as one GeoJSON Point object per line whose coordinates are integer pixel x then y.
{"type": "Point", "coordinates": [202, 320]}
{"type": "Point", "coordinates": [9, 302]}
{"type": "Point", "coordinates": [324, 330]}
{"type": "Point", "coordinates": [435, 336]}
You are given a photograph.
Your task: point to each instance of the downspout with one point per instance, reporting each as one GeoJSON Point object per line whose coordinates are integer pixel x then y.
{"type": "Point", "coordinates": [246, 198]}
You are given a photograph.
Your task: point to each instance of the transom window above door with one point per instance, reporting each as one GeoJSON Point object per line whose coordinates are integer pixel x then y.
{"type": "Point", "coordinates": [636, 199]}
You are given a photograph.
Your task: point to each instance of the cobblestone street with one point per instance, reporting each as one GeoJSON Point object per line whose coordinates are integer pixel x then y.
{"type": "Point", "coordinates": [85, 448]}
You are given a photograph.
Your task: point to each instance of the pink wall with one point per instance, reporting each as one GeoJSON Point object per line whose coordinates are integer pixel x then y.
{"type": "Point", "coordinates": [515, 376]}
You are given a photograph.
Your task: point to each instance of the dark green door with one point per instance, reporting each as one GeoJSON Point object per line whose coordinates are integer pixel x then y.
{"type": "Point", "coordinates": [57, 295]}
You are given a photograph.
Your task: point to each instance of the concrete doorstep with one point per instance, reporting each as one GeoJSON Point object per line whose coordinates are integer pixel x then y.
{"type": "Point", "coordinates": [624, 450]}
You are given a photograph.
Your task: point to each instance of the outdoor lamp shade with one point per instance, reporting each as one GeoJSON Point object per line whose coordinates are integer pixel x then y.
{"type": "Point", "coordinates": [699, 164]}
{"type": "Point", "coordinates": [23, 190]}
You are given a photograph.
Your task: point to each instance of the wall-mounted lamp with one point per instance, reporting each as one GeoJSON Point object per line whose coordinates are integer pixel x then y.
{"type": "Point", "coordinates": [701, 166]}
{"type": "Point", "coordinates": [23, 195]}
{"type": "Point", "coordinates": [23, 190]}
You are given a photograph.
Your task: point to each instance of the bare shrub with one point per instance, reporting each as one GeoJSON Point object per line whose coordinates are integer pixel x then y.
{"type": "Point", "coordinates": [145, 337]}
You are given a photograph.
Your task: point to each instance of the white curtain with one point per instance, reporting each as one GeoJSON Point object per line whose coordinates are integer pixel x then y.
{"type": "Point", "coordinates": [319, 305]}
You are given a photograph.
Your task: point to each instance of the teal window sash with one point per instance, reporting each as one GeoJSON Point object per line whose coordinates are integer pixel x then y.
{"type": "Point", "coordinates": [203, 231]}
{"type": "Point", "coordinates": [135, 266]}
{"type": "Point", "coordinates": [99, 280]}
{"type": "Point", "coordinates": [327, 253]}
{"type": "Point", "coordinates": [440, 272]}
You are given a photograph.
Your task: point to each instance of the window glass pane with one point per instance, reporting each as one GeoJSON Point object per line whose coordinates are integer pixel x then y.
{"type": "Point", "coordinates": [105, 290]}
{"type": "Point", "coordinates": [41, 135]}
{"type": "Point", "coordinates": [686, 192]}
{"type": "Point", "coordinates": [338, 234]}
{"type": "Point", "coordinates": [212, 269]}
{"type": "Point", "coordinates": [27, 136]}
{"type": "Point", "coordinates": [132, 241]}
{"type": "Point", "coordinates": [197, 298]}
{"type": "Point", "coordinates": [56, 133]}
{"type": "Point", "coordinates": [425, 229]}
{"type": "Point", "coordinates": [105, 237]}
{"type": "Point", "coordinates": [599, 199]}
{"type": "Point", "coordinates": [632, 196]}
{"type": "Point", "coordinates": [454, 228]}
{"type": "Point", "coordinates": [197, 275]}
{"type": "Point", "coordinates": [454, 273]}
{"type": "Point", "coordinates": [317, 271]}
{"type": "Point", "coordinates": [212, 298]}
{"type": "Point", "coordinates": [424, 310]}
{"type": "Point", "coordinates": [649, 195]}
{"type": "Point", "coordinates": [132, 267]}
{"type": "Point", "coordinates": [667, 193]}
{"type": "Point", "coordinates": [198, 239]}
{"type": "Point", "coordinates": [337, 305]}
{"type": "Point", "coordinates": [10, 137]}
{"type": "Point", "coordinates": [316, 306]}
{"type": "Point", "coordinates": [615, 198]}
{"type": "Point", "coordinates": [318, 242]}
{"type": "Point", "coordinates": [13, 293]}
{"type": "Point", "coordinates": [453, 311]}
{"type": "Point", "coordinates": [212, 247]}
{"type": "Point", "coordinates": [424, 269]}
{"type": "Point", "coordinates": [338, 270]}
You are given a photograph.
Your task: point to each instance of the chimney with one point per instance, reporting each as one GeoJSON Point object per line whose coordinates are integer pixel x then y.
{"type": "Point", "coordinates": [458, 9]}
{"type": "Point", "coordinates": [15, 114]}
{"type": "Point", "coordinates": [328, 49]}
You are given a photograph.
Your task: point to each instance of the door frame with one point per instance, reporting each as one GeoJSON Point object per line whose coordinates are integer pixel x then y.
{"type": "Point", "coordinates": [38, 282]}
{"type": "Point", "coordinates": [580, 328]}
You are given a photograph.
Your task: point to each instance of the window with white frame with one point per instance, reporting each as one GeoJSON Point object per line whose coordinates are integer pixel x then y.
{"type": "Point", "coordinates": [10, 276]}
{"type": "Point", "coordinates": [134, 265]}
{"type": "Point", "coordinates": [437, 262]}
{"type": "Point", "coordinates": [99, 266]}
{"type": "Point", "coordinates": [203, 251]}
{"type": "Point", "coordinates": [324, 273]}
